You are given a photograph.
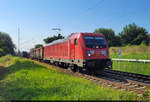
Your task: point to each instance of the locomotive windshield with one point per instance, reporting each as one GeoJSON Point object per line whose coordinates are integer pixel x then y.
{"type": "Point", "coordinates": [95, 42]}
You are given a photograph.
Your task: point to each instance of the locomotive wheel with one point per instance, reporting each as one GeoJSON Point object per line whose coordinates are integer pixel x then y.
{"type": "Point", "coordinates": [74, 68]}
{"type": "Point", "coordinates": [89, 71]}
{"type": "Point", "coordinates": [80, 69]}
{"type": "Point", "coordinates": [64, 65]}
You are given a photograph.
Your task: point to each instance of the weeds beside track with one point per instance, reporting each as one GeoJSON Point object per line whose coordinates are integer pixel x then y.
{"type": "Point", "coordinates": [30, 80]}
{"type": "Point", "coordinates": [107, 78]}
{"type": "Point", "coordinates": [131, 52]}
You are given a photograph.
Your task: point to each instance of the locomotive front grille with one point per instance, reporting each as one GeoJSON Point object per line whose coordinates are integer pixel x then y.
{"type": "Point", "coordinates": [91, 63]}
{"type": "Point", "coordinates": [98, 63]}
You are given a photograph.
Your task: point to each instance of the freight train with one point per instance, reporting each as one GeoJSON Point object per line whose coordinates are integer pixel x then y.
{"type": "Point", "coordinates": [79, 51]}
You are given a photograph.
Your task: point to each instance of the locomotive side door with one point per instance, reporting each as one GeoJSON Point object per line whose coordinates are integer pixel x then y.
{"type": "Point", "coordinates": [73, 48]}
{"type": "Point", "coordinates": [75, 45]}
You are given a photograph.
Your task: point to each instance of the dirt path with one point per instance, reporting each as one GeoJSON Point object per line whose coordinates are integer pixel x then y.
{"type": "Point", "coordinates": [3, 70]}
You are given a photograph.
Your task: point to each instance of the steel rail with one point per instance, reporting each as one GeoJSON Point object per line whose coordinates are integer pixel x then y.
{"type": "Point", "coordinates": [131, 76]}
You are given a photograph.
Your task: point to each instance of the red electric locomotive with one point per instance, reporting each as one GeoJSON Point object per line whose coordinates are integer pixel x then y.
{"type": "Point", "coordinates": [80, 51]}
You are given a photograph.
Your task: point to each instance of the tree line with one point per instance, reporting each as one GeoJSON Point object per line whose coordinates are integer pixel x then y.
{"type": "Point", "coordinates": [131, 34]}
{"type": "Point", "coordinates": [6, 44]}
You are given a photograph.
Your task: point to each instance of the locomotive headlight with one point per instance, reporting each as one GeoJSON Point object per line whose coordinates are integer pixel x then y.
{"type": "Point", "coordinates": [89, 53]}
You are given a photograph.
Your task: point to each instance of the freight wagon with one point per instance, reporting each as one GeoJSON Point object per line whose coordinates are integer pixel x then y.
{"type": "Point", "coordinates": [37, 53]}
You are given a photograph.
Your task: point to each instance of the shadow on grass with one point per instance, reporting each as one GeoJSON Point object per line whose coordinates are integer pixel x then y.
{"type": "Point", "coordinates": [18, 65]}
{"type": "Point", "coordinates": [27, 65]}
{"type": "Point", "coordinates": [3, 71]}
{"type": "Point", "coordinates": [36, 93]}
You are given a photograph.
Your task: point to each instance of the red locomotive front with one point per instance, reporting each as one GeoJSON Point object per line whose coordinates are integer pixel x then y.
{"type": "Point", "coordinates": [96, 55]}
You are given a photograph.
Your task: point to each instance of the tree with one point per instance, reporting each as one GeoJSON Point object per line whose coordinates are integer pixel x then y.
{"type": "Point", "coordinates": [149, 39]}
{"type": "Point", "coordinates": [38, 45]}
{"type": "Point", "coordinates": [110, 36]}
{"type": "Point", "coordinates": [1, 51]}
{"type": "Point", "coordinates": [117, 41]}
{"type": "Point", "coordinates": [6, 44]}
{"type": "Point", "coordinates": [51, 39]}
{"type": "Point", "coordinates": [134, 35]}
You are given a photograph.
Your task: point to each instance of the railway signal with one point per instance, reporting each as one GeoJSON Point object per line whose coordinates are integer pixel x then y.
{"type": "Point", "coordinates": [119, 55]}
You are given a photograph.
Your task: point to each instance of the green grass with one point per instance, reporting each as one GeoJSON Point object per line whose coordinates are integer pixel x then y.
{"type": "Point", "coordinates": [133, 67]}
{"type": "Point", "coordinates": [28, 80]}
{"type": "Point", "coordinates": [132, 55]}
{"type": "Point", "coordinates": [132, 52]}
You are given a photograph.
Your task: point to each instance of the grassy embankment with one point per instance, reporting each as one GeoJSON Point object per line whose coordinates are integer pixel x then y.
{"type": "Point", "coordinates": [132, 52]}
{"type": "Point", "coordinates": [28, 80]}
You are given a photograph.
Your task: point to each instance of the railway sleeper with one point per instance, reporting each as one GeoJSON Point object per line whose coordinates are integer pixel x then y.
{"type": "Point", "coordinates": [140, 88]}
{"type": "Point", "coordinates": [131, 86]}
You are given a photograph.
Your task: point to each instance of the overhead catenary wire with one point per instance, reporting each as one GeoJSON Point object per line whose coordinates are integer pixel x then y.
{"type": "Point", "coordinates": [93, 7]}
{"type": "Point", "coordinates": [84, 12]}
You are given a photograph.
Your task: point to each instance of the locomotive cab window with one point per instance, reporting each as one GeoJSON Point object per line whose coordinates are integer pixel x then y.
{"type": "Point", "coordinates": [75, 42]}
{"type": "Point", "coordinates": [94, 42]}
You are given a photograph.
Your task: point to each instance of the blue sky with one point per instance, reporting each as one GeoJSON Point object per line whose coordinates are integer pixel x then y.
{"type": "Point", "coordinates": [36, 18]}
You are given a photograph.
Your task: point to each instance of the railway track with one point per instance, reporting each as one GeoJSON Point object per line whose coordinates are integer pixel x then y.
{"type": "Point", "coordinates": [120, 82]}
{"type": "Point", "coordinates": [116, 79]}
{"type": "Point", "coordinates": [117, 83]}
{"type": "Point", "coordinates": [131, 76]}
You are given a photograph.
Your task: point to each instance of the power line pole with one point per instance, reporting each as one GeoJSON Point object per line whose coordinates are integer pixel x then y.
{"type": "Point", "coordinates": [18, 41]}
